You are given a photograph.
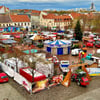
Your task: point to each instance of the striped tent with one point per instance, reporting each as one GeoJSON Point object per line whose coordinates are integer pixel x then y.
{"type": "Point", "coordinates": [57, 43]}
{"type": "Point", "coordinates": [58, 47]}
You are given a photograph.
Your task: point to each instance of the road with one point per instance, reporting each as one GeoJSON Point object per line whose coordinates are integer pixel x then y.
{"type": "Point", "coordinates": [8, 92]}
{"type": "Point", "coordinates": [13, 91]}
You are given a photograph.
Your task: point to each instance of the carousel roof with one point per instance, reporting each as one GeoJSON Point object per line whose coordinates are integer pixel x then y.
{"type": "Point", "coordinates": [58, 42]}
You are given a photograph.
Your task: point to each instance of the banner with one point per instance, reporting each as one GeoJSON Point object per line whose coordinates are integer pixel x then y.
{"type": "Point", "coordinates": [93, 71]}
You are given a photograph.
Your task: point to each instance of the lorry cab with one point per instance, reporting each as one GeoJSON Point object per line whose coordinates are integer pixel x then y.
{"type": "Point", "coordinates": [3, 78]}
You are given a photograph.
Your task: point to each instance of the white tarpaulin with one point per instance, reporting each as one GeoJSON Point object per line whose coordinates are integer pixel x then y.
{"type": "Point", "coordinates": [22, 81]}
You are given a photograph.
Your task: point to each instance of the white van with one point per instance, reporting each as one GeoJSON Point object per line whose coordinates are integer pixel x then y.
{"type": "Point", "coordinates": [75, 52]}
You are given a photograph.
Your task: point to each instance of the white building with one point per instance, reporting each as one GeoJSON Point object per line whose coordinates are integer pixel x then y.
{"type": "Point", "coordinates": [4, 9]}
{"type": "Point", "coordinates": [15, 20]}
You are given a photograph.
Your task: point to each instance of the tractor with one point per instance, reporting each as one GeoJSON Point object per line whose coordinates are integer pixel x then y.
{"type": "Point", "coordinates": [77, 73]}
{"type": "Point", "coordinates": [80, 78]}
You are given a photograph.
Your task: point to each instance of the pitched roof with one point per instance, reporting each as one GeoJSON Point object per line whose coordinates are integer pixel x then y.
{"type": "Point", "coordinates": [49, 16]}
{"type": "Point", "coordinates": [1, 7]}
{"type": "Point", "coordinates": [5, 18]}
{"type": "Point", "coordinates": [36, 11]}
{"type": "Point", "coordinates": [4, 7]}
{"type": "Point", "coordinates": [57, 18]}
{"type": "Point", "coordinates": [20, 18]}
{"type": "Point", "coordinates": [76, 15]}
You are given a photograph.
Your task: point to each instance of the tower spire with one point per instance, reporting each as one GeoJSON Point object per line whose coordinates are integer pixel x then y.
{"type": "Point", "coordinates": [92, 7]}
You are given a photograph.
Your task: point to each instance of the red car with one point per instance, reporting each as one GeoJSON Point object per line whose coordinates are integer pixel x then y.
{"type": "Point", "coordinates": [3, 78]}
{"type": "Point", "coordinates": [89, 44]}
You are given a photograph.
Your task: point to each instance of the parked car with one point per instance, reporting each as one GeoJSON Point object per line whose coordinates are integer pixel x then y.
{"type": "Point", "coordinates": [3, 77]}
{"type": "Point", "coordinates": [75, 52]}
{"type": "Point", "coordinates": [89, 44]}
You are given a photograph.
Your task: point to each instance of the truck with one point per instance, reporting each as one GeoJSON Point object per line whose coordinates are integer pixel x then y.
{"type": "Point", "coordinates": [75, 52]}
{"type": "Point", "coordinates": [80, 78]}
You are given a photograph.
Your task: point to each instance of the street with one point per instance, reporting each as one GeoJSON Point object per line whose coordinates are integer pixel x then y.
{"type": "Point", "coordinates": [14, 91]}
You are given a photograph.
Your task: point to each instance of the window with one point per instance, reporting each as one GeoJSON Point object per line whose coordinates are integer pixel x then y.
{"type": "Point", "coordinates": [60, 19]}
{"type": "Point", "coordinates": [18, 24]}
{"type": "Point", "coordinates": [21, 24]}
{"type": "Point", "coordinates": [64, 19]}
{"type": "Point", "coordinates": [12, 67]}
{"type": "Point", "coordinates": [8, 65]}
{"type": "Point", "coordinates": [25, 24]}
{"type": "Point", "coordinates": [4, 77]}
{"type": "Point", "coordinates": [4, 25]}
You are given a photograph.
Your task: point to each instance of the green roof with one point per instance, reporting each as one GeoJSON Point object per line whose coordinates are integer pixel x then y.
{"type": "Point", "coordinates": [28, 51]}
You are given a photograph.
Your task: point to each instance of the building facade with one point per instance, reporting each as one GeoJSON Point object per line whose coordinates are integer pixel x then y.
{"type": "Point", "coordinates": [55, 21]}
{"type": "Point", "coordinates": [15, 20]}
{"type": "Point", "coordinates": [4, 10]}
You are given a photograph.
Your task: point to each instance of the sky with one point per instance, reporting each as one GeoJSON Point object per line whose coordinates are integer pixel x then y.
{"type": "Point", "coordinates": [50, 4]}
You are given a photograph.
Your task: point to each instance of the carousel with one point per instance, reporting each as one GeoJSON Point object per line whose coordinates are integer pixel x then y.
{"type": "Point", "coordinates": [58, 47]}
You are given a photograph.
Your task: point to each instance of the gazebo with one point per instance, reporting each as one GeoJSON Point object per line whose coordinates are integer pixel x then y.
{"type": "Point", "coordinates": [58, 47]}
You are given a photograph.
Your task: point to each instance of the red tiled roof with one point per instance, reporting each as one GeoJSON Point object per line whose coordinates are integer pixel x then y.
{"type": "Point", "coordinates": [57, 18]}
{"type": "Point", "coordinates": [20, 18]}
{"type": "Point", "coordinates": [36, 11]}
{"type": "Point", "coordinates": [1, 7]}
{"type": "Point", "coordinates": [49, 16]}
{"type": "Point", "coordinates": [76, 15]}
{"type": "Point", "coordinates": [26, 10]}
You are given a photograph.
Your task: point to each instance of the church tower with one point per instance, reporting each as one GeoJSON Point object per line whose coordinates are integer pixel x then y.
{"type": "Point", "coordinates": [92, 7]}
